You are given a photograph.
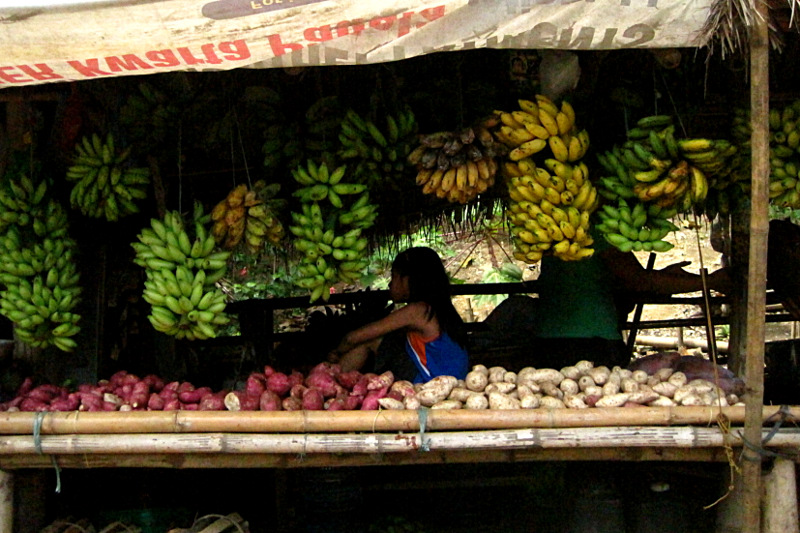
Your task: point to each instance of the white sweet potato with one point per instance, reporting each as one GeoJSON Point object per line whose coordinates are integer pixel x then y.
{"type": "Point", "coordinates": [678, 379]}
{"type": "Point", "coordinates": [477, 401]}
{"type": "Point", "coordinates": [599, 374]}
{"type": "Point", "coordinates": [391, 403]}
{"type": "Point", "coordinates": [571, 372]}
{"type": "Point", "coordinates": [586, 381]}
{"type": "Point", "coordinates": [502, 387]}
{"type": "Point", "coordinates": [610, 387]}
{"type": "Point", "coordinates": [440, 385]}
{"type": "Point", "coordinates": [665, 388]}
{"type": "Point", "coordinates": [547, 374]}
{"type": "Point", "coordinates": [411, 402]}
{"type": "Point", "coordinates": [496, 374]}
{"type": "Point", "coordinates": [404, 387]}
{"type": "Point", "coordinates": [498, 400]}
{"type": "Point", "coordinates": [460, 394]}
{"type": "Point", "coordinates": [476, 381]}
{"type": "Point", "coordinates": [574, 402]}
{"type": "Point", "coordinates": [569, 386]}
{"type": "Point", "coordinates": [548, 402]}
{"type": "Point", "coordinates": [615, 400]}
{"type": "Point", "coordinates": [663, 374]}
{"type": "Point", "coordinates": [447, 404]}
{"type": "Point", "coordinates": [628, 385]}
{"type": "Point", "coordinates": [640, 376]}
{"type": "Point", "coordinates": [551, 389]}
{"type": "Point", "coordinates": [480, 368]}
{"type": "Point", "coordinates": [510, 377]}
{"type": "Point", "coordinates": [532, 401]}
{"type": "Point", "coordinates": [662, 401]}
{"type": "Point", "coordinates": [584, 366]}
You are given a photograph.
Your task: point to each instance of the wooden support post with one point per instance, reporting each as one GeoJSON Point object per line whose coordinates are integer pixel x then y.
{"type": "Point", "coordinates": [756, 271]}
{"type": "Point", "coordinates": [780, 498]}
{"type": "Point", "coordinates": [6, 502]}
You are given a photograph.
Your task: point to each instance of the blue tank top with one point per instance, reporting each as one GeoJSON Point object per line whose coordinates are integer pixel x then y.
{"type": "Point", "coordinates": [439, 356]}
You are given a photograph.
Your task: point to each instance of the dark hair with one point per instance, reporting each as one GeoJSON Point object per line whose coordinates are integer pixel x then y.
{"type": "Point", "coordinates": [428, 282]}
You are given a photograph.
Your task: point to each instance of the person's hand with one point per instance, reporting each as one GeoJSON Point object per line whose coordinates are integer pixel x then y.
{"type": "Point", "coordinates": [676, 268]}
{"type": "Point", "coordinates": [334, 356]}
{"type": "Point", "coordinates": [720, 280]}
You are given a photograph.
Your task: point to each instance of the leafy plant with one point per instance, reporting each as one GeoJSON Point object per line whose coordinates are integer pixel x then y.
{"type": "Point", "coordinates": [508, 273]}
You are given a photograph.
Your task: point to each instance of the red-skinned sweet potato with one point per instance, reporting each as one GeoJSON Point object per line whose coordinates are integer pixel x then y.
{"type": "Point", "coordinates": [323, 382]}
{"type": "Point", "coordinates": [213, 401]}
{"type": "Point", "coordinates": [155, 402]}
{"type": "Point", "coordinates": [292, 404]}
{"type": "Point", "coordinates": [139, 395]}
{"type": "Point", "coordinates": [296, 378]}
{"type": "Point", "coordinates": [353, 402]}
{"type": "Point", "coordinates": [172, 405]}
{"type": "Point", "coordinates": [256, 384]}
{"type": "Point", "coordinates": [370, 402]}
{"type": "Point", "coordinates": [334, 404]}
{"type": "Point", "coordinates": [269, 401]}
{"type": "Point", "coordinates": [279, 383]}
{"type": "Point", "coordinates": [154, 382]}
{"type": "Point", "coordinates": [360, 388]}
{"type": "Point", "coordinates": [349, 379]}
{"type": "Point", "coordinates": [297, 391]}
{"type": "Point", "coordinates": [268, 371]}
{"type": "Point", "coordinates": [194, 395]}
{"type": "Point", "coordinates": [382, 381]}
{"type": "Point", "coordinates": [25, 387]}
{"type": "Point", "coordinates": [32, 405]}
{"type": "Point", "coordinates": [64, 404]}
{"type": "Point", "coordinates": [313, 400]}
{"type": "Point", "coordinates": [240, 401]}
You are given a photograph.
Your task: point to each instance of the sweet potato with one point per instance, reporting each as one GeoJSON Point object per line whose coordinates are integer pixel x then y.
{"type": "Point", "coordinates": [549, 402]}
{"type": "Point", "coordinates": [323, 382]}
{"type": "Point", "coordinates": [569, 386]}
{"type": "Point", "coordinates": [499, 386]}
{"type": "Point", "coordinates": [139, 395]}
{"type": "Point", "coordinates": [173, 405]}
{"type": "Point", "coordinates": [360, 388]}
{"type": "Point", "coordinates": [312, 399]}
{"type": "Point", "coordinates": [391, 403]}
{"type": "Point", "coordinates": [297, 391]}
{"type": "Point", "coordinates": [194, 395]}
{"type": "Point", "coordinates": [404, 387]}
{"type": "Point", "coordinates": [327, 368]}
{"type": "Point", "coordinates": [496, 373]}
{"type": "Point", "coordinates": [348, 380]}
{"type": "Point", "coordinates": [353, 402]}
{"type": "Point", "coordinates": [476, 401]}
{"type": "Point", "coordinates": [296, 378]}
{"type": "Point", "coordinates": [154, 382]}
{"type": "Point", "coordinates": [292, 404]}
{"type": "Point", "coordinates": [269, 401]}
{"type": "Point", "coordinates": [370, 402]}
{"type": "Point", "coordinates": [279, 383]}
{"type": "Point", "coordinates": [447, 404]}
{"type": "Point", "coordinates": [213, 401]}
{"type": "Point", "coordinates": [384, 380]}
{"type": "Point", "coordinates": [32, 405]}
{"type": "Point", "coordinates": [240, 401]}
{"type": "Point", "coordinates": [268, 370]}
{"type": "Point", "coordinates": [476, 381]}
{"type": "Point", "coordinates": [155, 402]}
{"type": "Point", "coordinates": [615, 400]}
{"type": "Point", "coordinates": [334, 404]}
{"type": "Point", "coordinates": [256, 384]}
{"type": "Point", "coordinates": [412, 402]}
{"type": "Point", "coordinates": [498, 400]}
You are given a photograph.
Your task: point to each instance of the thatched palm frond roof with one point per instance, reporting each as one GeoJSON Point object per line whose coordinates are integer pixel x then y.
{"type": "Point", "coordinates": [730, 23]}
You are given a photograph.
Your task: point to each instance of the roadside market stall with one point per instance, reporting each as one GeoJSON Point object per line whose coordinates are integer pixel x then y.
{"type": "Point", "coordinates": [161, 37]}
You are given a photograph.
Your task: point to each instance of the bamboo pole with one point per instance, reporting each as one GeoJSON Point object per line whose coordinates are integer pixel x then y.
{"type": "Point", "coordinates": [387, 443]}
{"type": "Point", "coordinates": [6, 502]}
{"type": "Point", "coordinates": [436, 457]}
{"type": "Point", "coordinates": [79, 422]}
{"type": "Point", "coordinates": [757, 264]}
{"type": "Point", "coordinates": [780, 498]}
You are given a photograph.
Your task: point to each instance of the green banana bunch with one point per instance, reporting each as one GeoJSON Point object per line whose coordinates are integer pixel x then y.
{"type": "Point", "coordinates": [549, 209]}
{"type": "Point", "coordinates": [103, 185]}
{"type": "Point", "coordinates": [37, 267]}
{"type": "Point", "coordinates": [328, 230]}
{"type": "Point", "coordinates": [376, 153]}
{"type": "Point", "coordinates": [635, 226]}
{"type": "Point", "coordinates": [182, 268]}
{"type": "Point", "coordinates": [784, 190]}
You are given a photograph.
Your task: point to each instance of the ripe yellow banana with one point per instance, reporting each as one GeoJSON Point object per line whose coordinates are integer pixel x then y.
{"type": "Point", "coordinates": [559, 149]}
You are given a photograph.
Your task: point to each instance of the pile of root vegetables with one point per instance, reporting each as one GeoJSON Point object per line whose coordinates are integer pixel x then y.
{"type": "Point", "coordinates": [326, 387]}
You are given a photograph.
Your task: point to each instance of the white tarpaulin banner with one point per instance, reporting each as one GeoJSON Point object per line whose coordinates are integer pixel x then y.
{"type": "Point", "coordinates": [88, 41]}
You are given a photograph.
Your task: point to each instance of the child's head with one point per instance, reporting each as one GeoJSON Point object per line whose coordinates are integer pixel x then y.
{"type": "Point", "coordinates": [419, 275]}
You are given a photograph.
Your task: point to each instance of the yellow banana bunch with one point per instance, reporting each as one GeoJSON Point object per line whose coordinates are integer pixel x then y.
{"type": "Point", "coordinates": [540, 124]}
{"type": "Point", "coordinates": [182, 267]}
{"type": "Point", "coordinates": [104, 185]}
{"type": "Point", "coordinates": [635, 226]}
{"type": "Point", "coordinates": [549, 209]}
{"type": "Point", "coordinates": [248, 216]}
{"type": "Point", "coordinates": [37, 270]}
{"type": "Point", "coordinates": [328, 229]}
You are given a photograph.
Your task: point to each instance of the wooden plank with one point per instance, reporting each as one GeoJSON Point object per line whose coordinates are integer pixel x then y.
{"type": "Point", "coordinates": [780, 498]}
{"type": "Point", "coordinates": [78, 422]}
{"type": "Point", "coordinates": [757, 266]}
{"type": "Point", "coordinates": [6, 502]}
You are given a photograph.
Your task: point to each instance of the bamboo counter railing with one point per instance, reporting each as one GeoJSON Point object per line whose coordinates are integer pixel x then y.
{"type": "Point", "coordinates": [222, 439]}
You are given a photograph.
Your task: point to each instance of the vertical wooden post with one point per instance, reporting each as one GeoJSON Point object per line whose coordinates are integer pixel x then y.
{"type": "Point", "coordinates": [756, 270]}
{"type": "Point", "coordinates": [780, 498]}
{"type": "Point", "coordinates": [6, 502]}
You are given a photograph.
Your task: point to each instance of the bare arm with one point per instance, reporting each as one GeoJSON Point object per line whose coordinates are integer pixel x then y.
{"type": "Point", "coordinates": [412, 316]}
{"type": "Point", "coordinates": [631, 276]}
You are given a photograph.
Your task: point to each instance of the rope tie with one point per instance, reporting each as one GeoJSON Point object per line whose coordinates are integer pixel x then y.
{"type": "Point", "coordinates": [780, 416]}
{"type": "Point", "coordinates": [424, 443]}
{"type": "Point", "coordinates": [37, 444]}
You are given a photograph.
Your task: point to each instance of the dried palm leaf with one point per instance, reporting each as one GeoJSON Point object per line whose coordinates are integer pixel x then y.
{"type": "Point", "coordinates": [730, 23]}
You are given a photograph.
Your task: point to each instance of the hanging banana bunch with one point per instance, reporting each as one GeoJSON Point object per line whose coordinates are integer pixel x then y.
{"type": "Point", "coordinates": [784, 180]}
{"type": "Point", "coordinates": [551, 197]}
{"type": "Point", "coordinates": [328, 230]}
{"type": "Point", "coordinates": [248, 216]}
{"type": "Point", "coordinates": [182, 267]}
{"type": "Point", "coordinates": [456, 165]}
{"type": "Point", "coordinates": [376, 154]}
{"type": "Point", "coordinates": [653, 166]}
{"type": "Point", "coordinates": [104, 186]}
{"type": "Point", "coordinates": [37, 267]}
